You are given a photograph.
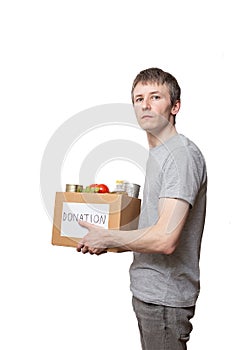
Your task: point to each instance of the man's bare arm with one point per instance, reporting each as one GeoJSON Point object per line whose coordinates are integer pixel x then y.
{"type": "Point", "coordinates": [162, 237]}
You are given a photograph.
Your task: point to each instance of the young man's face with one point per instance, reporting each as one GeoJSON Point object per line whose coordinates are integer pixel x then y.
{"type": "Point", "coordinates": [153, 107]}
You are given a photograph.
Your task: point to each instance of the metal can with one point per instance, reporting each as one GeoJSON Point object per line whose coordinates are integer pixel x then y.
{"type": "Point", "coordinates": [74, 188]}
{"type": "Point", "coordinates": [132, 189]}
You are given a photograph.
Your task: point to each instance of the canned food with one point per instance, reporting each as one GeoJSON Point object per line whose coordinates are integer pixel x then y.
{"type": "Point", "coordinates": [132, 189]}
{"type": "Point", "coordinates": [74, 188]}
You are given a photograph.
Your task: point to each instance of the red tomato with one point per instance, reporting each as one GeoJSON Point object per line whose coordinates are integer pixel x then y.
{"type": "Point", "coordinates": [103, 188]}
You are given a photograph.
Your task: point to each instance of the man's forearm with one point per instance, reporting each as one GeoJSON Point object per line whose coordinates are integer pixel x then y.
{"type": "Point", "coordinates": [147, 240]}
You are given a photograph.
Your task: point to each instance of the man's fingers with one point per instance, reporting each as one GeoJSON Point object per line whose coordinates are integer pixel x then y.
{"type": "Point", "coordinates": [100, 251]}
{"type": "Point", "coordinates": [85, 250]}
{"type": "Point", "coordinates": [85, 224]}
{"type": "Point", "coordinates": [82, 248]}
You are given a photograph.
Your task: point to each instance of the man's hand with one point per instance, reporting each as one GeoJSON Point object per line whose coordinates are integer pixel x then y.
{"type": "Point", "coordinates": [95, 241]}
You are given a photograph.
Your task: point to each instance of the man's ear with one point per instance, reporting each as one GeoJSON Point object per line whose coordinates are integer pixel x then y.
{"type": "Point", "coordinates": [175, 108]}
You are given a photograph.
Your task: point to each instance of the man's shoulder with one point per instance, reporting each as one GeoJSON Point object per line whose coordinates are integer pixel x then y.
{"type": "Point", "coordinates": [183, 146]}
{"type": "Point", "coordinates": [180, 150]}
{"type": "Point", "coordinates": [183, 155]}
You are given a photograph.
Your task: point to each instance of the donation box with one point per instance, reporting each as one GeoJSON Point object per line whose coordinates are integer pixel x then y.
{"type": "Point", "coordinates": [108, 210]}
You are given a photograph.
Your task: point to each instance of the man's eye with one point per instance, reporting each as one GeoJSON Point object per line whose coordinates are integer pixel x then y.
{"type": "Point", "coordinates": [155, 97]}
{"type": "Point", "coordinates": [138, 99]}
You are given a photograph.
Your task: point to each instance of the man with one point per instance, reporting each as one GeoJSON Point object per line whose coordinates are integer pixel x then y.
{"type": "Point", "coordinates": [165, 270]}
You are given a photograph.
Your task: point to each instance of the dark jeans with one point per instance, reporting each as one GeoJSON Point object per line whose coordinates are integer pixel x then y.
{"type": "Point", "coordinates": [163, 327]}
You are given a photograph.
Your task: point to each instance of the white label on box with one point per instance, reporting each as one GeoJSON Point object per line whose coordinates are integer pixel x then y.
{"type": "Point", "coordinates": [97, 214]}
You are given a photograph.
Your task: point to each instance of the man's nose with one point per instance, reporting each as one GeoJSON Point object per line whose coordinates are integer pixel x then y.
{"type": "Point", "coordinates": [146, 104]}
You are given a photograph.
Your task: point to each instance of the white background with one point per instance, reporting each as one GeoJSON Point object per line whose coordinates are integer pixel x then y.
{"type": "Point", "coordinates": [57, 59]}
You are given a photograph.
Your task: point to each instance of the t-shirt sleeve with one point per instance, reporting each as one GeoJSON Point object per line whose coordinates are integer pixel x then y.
{"type": "Point", "coordinates": [182, 175]}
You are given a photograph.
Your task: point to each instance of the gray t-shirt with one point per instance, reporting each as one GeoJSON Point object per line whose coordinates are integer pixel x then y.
{"type": "Point", "coordinates": [175, 169]}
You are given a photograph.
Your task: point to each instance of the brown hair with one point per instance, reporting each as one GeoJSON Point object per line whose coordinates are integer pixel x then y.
{"type": "Point", "coordinates": [156, 75]}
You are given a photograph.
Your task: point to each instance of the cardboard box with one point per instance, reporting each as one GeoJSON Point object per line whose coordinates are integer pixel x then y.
{"type": "Point", "coordinates": [109, 210]}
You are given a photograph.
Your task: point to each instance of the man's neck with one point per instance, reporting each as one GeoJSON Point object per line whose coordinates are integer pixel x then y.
{"type": "Point", "coordinates": [156, 140]}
